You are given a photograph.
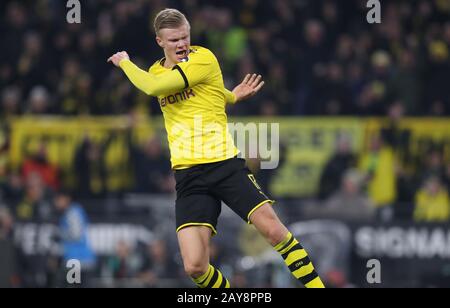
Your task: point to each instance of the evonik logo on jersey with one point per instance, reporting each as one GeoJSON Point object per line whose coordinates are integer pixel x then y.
{"type": "Point", "coordinates": [177, 97]}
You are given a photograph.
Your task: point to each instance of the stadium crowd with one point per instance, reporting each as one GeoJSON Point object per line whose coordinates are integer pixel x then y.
{"type": "Point", "coordinates": [317, 57]}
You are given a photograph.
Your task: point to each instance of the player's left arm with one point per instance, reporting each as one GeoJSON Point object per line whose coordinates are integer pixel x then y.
{"type": "Point", "coordinates": [251, 84]}
{"type": "Point", "coordinates": [230, 98]}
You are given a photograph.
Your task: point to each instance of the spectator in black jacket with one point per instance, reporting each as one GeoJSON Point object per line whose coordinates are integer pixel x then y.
{"type": "Point", "coordinates": [341, 160]}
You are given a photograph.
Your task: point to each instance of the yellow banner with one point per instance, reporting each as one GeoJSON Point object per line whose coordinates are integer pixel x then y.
{"type": "Point", "coordinates": [63, 136]}
{"type": "Point", "coordinates": [309, 144]}
{"type": "Point", "coordinates": [420, 135]}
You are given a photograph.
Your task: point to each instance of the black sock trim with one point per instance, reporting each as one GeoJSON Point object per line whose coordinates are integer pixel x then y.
{"type": "Point", "coordinates": [288, 243]}
{"type": "Point", "coordinates": [309, 277]}
{"type": "Point", "coordinates": [224, 282]}
{"type": "Point", "coordinates": [209, 273]}
{"type": "Point", "coordinates": [213, 279]}
{"type": "Point", "coordinates": [295, 247]}
{"type": "Point", "coordinates": [299, 263]}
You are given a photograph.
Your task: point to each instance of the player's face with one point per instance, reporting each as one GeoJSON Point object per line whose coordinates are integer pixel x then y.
{"type": "Point", "coordinates": [175, 42]}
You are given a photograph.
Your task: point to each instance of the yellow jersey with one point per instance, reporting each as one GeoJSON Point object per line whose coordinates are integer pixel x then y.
{"type": "Point", "coordinates": [192, 98]}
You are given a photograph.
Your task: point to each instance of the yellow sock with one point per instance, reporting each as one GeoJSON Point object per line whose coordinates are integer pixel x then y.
{"type": "Point", "coordinates": [213, 278]}
{"type": "Point", "coordinates": [296, 258]}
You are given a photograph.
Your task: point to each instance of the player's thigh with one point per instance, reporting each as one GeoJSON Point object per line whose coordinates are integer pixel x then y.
{"type": "Point", "coordinates": [266, 221]}
{"type": "Point", "coordinates": [194, 246]}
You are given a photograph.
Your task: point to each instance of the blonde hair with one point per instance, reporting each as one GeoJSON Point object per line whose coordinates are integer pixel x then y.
{"type": "Point", "coordinates": [169, 19]}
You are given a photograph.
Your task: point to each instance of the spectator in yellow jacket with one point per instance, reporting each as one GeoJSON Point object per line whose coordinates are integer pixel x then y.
{"type": "Point", "coordinates": [432, 202]}
{"type": "Point", "coordinates": [378, 165]}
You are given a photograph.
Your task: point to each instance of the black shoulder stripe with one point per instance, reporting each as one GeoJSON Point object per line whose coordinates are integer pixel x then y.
{"type": "Point", "coordinates": [186, 82]}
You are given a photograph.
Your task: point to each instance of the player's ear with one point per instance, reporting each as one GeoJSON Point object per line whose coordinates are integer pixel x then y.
{"type": "Point", "coordinates": [160, 42]}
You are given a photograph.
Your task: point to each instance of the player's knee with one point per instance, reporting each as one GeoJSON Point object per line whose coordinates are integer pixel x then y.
{"type": "Point", "coordinates": [277, 233]}
{"type": "Point", "coordinates": [195, 269]}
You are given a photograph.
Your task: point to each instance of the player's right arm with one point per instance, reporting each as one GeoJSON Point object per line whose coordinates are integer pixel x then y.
{"type": "Point", "coordinates": [150, 84]}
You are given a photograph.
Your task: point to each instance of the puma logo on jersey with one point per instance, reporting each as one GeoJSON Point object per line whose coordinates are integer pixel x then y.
{"type": "Point", "coordinates": [177, 97]}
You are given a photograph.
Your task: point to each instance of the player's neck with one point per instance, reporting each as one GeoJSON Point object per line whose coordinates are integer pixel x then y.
{"type": "Point", "coordinates": [168, 63]}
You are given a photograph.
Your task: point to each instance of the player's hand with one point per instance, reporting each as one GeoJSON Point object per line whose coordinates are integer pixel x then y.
{"type": "Point", "coordinates": [117, 57]}
{"type": "Point", "coordinates": [251, 84]}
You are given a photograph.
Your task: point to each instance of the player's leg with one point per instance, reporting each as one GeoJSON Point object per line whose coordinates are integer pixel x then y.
{"type": "Point", "coordinates": [295, 256]}
{"type": "Point", "coordinates": [196, 214]}
{"type": "Point", "coordinates": [194, 247]}
{"type": "Point", "coordinates": [268, 224]}
{"type": "Point", "coordinates": [237, 187]}
{"type": "Point", "coordinates": [196, 218]}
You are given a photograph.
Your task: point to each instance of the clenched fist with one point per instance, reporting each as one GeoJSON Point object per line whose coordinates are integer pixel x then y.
{"type": "Point", "coordinates": [117, 57]}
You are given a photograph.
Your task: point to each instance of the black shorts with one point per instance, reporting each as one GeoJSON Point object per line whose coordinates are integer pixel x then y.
{"type": "Point", "coordinates": [200, 190]}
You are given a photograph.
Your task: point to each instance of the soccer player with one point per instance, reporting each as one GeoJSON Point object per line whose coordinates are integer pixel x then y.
{"type": "Point", "coordinates": [189, 86]}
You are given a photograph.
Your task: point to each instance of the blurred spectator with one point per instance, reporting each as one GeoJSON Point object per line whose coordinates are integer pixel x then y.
{"type": "Point", "coordinates": [32, 62]}
{"type": "Point", "coordinates": [276, 86]}
{"type": "Point", "coordinates": [39, 101]}
{"type": "Point", "coordinates": [432, 202]}
{"type": "Point", "coordinates": [3, 160]}
{"type": "Point", "coordinates": [349, 203]}
{"type": "Point", "coordinates": [37, 163]}
{"type": "Point", "coordinates": [90, 167]}
{"type": "Point", "coordinates": [330, 91]}
{"type": "Point", "coordinates": [239, 280]}
{"type": "Point", "coordinates": [10, 104]}
{"type": "Point", "coordinates": [447, 176]}
{"type": "Point", "coordinates": [158, 267]}
{"type": "Point", "coordinates": [69, 90]}
{"type": "Point", "coordinates": [73, 227]}
{"type": "Point", "coordinates": [378, 166]}
{"type": "Point", "coordinates": [8, 267]}
{"type": "Point", "coordinates": [151, 167]}
{"type": "Point", "coordinates": [12, 189]}
{"type": "Point", "coordinates": [393, 134]}
{"type": "Point", "coordinates": [227, 38]}
{"type": "Point", "coordinates": [268, 108]}
{"type": "Point", "coordinates": [438, 70]}
{"type": "Point", "coordinates": [399, 139]}
{"type": "Point", "coordinates": [372, 100]}
{"type": "Point", "coordinates": [342, 160]}
{"type": "Point", "coordinates": [35, 204]}
{"type": "Point", "coordinates": [124, 264]}
{"type": "Point", "coordinates": [433, 165]}
{"type": "Point", "coordinates": [405, 85]}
